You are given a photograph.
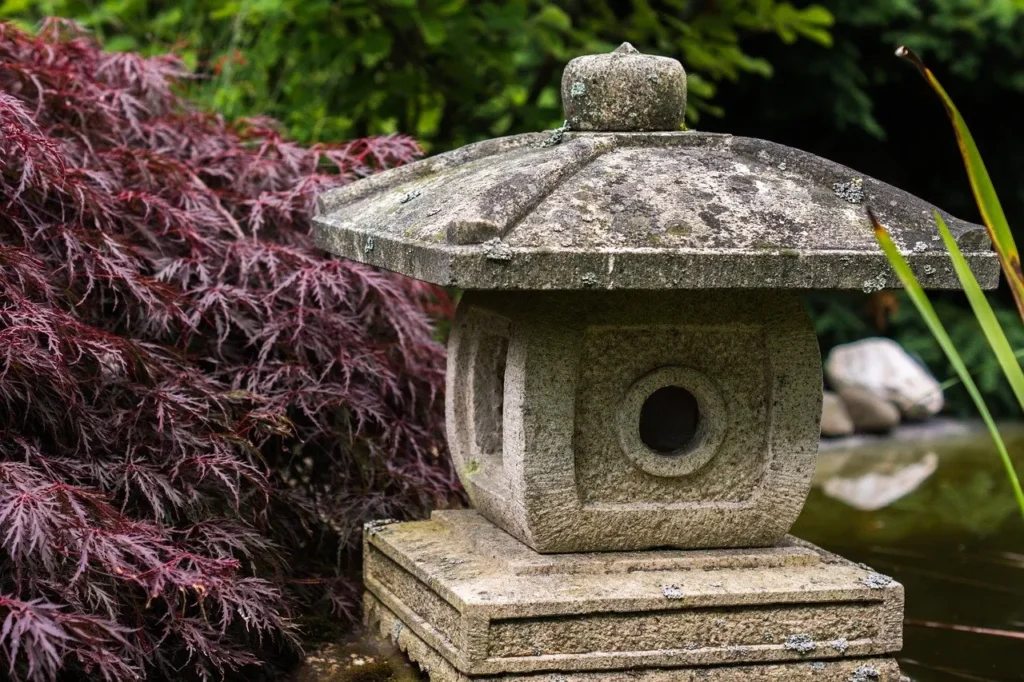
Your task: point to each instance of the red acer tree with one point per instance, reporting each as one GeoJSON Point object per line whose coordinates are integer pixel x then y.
{"type": "Point", "coordinates": [198, 409]}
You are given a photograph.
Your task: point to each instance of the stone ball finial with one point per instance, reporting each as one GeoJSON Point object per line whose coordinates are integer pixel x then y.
{"type": "Point", "coordinates": [624, 90]}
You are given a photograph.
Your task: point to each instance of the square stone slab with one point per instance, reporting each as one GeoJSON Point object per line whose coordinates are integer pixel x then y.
{"type": "Point", "coordinates": [488, 605]}
{"type": "Point", "coordinates": [440, 670]}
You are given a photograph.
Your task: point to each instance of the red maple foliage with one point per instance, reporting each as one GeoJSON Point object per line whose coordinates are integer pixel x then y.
{"type": "Point", "coordinates": [198, 409]}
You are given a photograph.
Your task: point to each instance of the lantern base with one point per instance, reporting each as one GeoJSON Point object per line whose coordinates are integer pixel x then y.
{"type": "Point", "coordinates": [466, 600]}
{"type": "Point", "coordinates": [875, 669]}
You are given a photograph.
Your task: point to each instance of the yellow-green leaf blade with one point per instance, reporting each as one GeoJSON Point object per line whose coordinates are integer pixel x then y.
{"type": "Point", "coordinates": [981, 184]}
{"type": "Point", "coordinates": [994, 333]}
{"type": "Point", "coordinates": [924, 307]}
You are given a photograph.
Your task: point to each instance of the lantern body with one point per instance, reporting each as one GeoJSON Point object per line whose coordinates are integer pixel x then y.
{"type": "Point", "coordinates": [633, 396]}
{"type": "Point", "coordinates": [548, 392]}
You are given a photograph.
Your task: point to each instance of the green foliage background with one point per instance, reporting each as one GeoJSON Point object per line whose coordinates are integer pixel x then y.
{"type": "Point", "coordinates": [447, 71]}
{"type": "Point", "coordinates": [817, 75]}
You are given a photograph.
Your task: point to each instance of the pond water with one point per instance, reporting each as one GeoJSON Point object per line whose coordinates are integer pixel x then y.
{"type": "Point", "coordinates": [932, 508]}
{"type": "Point", "coordinates": [937, 514]}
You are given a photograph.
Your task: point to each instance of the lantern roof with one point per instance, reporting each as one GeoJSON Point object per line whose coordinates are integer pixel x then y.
{"type": "Point", "coordinates": [620, 198]}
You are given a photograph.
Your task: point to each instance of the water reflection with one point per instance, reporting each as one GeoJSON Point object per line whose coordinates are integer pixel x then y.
{"type": "Point", "coordinates": [882, 485]}
{"type": "Point", "coordinates": [940, 517]}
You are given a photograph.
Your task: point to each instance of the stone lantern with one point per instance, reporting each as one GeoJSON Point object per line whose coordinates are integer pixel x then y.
{"type": "Point", "coordinates": [634, 394]}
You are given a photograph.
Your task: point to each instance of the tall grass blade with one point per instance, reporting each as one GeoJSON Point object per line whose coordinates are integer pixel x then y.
{"type": "Point", "coordinates": [981, 184]}
{"type": "Point", "coordinates": [1004, 352]}
{"type": "Point", "coordinates": [924, 307]}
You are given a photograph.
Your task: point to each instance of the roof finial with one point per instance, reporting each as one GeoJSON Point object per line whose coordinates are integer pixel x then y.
{"type": "Point", "coordinates": [624, 90]}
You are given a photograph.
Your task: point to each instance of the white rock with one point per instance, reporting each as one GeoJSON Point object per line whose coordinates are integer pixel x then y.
{"type": "Point", "coordinates": [882, 367]}
{"type": "Point", "coordinates": [869, 412]}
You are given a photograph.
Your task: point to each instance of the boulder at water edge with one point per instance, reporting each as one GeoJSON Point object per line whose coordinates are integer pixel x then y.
{"type": "Point", "coordinates": [881, 367]}
{"type": "Point", "coordinates": [835, 420]}
{"type": "Point", "coordinates": [870, 413]}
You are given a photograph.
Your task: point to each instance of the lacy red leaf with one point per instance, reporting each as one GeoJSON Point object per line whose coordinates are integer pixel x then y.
{"type": "Point", "coordinates": [198, 408]}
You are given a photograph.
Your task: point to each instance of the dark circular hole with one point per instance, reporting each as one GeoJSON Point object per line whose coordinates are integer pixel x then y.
{"type": "Point", "coordinates": [669, 419]}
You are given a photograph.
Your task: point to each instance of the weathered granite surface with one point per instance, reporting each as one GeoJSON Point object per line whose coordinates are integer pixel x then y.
{"type": "Point", "coordinates": [488, 605]}
{"type": "Point", "coordinates": [440, 670]}
{"type": "Point", "coordinates": [624, 90]}
{"type": "Point", "coordinates": [545, 391]}
{"type": "Point", "coordinates": [664, 210]}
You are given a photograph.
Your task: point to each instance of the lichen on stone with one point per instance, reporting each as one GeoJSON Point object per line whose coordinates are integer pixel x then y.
{"type": "Point", "coordinates": [801, 643]}
{"type": "Point", "coordinates": [369, 244]}
{"type": "Point", "coordinates": [409, 196]}
{"type": "Point", "coordinates": [556, 135]}
{"type": "Point", "coordinates": [851, 191]}
{"type": "Point", "coordinates": [497, 250]}
{"type": "Point", "coordinates": [680, 229]}
{"type": "Point", "coordinates": [578, 89]}
{"type": "Point", "coordinates": [865, 673]}
{"type": "Point", "coordinates": [876, 581]}
{"type": "Point", "coordinates": [840, 645]}
{"type": "Point", "coordinates": [589, 279]}
{"type": "Point", "coordinates": [876, 283]}
{"type": "Point", "coordinates": [672, 591]}
{"type": "Point", "coordinates": [374, 526]}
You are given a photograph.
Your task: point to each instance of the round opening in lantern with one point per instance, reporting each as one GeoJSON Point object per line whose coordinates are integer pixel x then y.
{"type": "Point", "coordinates": [669, 420]}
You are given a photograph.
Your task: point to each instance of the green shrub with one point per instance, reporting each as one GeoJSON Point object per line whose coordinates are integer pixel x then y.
{"type": "Point", "coordinates": [446, 71]}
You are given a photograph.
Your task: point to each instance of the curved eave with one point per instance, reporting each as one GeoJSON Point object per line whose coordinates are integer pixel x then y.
{"type": "Point", "coordinates": [638, 211]}
{"type": "Point", "coordinates": [474, 267]}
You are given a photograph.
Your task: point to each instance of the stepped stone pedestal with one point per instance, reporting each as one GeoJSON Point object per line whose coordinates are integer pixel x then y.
{"type": "Point", "coordinates": [467, 600]}
{"type": "Point", "coordinates": [634, 395]}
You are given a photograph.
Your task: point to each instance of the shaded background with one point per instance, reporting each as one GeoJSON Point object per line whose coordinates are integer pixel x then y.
{"type": "Point", "coordinates": [820, 76]}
